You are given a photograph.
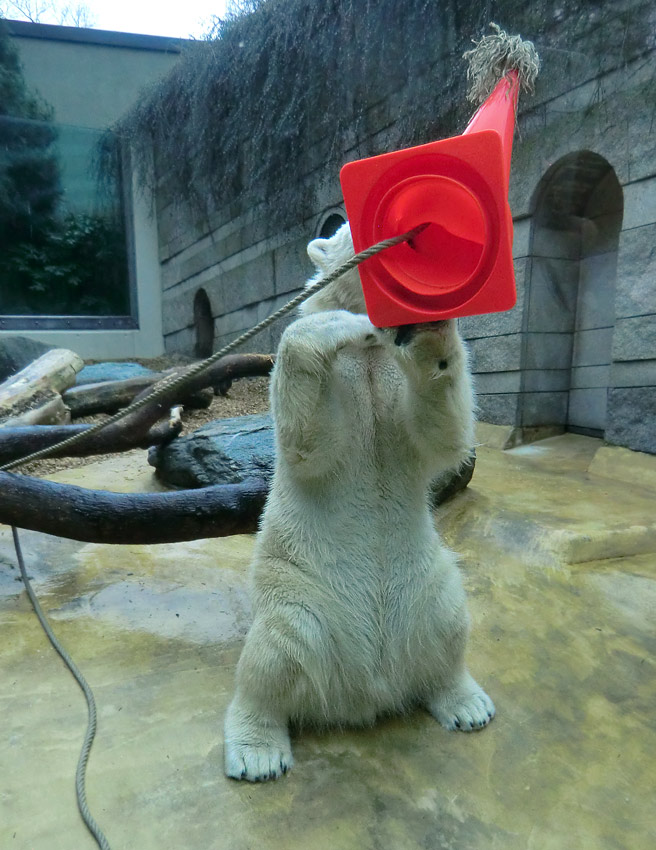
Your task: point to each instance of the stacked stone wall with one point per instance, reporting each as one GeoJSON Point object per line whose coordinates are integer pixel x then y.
{"type": "Point", "coordinates": [596, 95]}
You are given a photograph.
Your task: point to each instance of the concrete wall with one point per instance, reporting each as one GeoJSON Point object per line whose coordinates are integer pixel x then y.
{"type": "Point", "coordinates": [534, 372]}
{"type": "Point", "coordinates": [90, 78]}
{"type": "Point", "coordinates": [594, 371]}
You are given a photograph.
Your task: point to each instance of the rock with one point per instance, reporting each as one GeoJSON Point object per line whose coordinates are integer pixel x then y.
{"type": "Point", "coordinates": [447, 485]}
{"type": "Point", "coordinates": [227, 451]}
{"type": "Point", "coordinates": [100, 372]}
{"type": "Point", "coordinates": [17, 352]}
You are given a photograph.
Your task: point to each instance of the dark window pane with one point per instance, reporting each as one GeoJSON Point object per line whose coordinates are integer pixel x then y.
{"type": "Point", "coordinates": [62, 230]}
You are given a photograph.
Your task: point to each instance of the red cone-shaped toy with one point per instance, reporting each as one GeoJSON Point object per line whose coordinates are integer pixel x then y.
{"type": "Point", "coordinates": [461, 264]}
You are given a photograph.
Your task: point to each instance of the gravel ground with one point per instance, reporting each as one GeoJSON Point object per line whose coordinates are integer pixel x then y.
{"type": "Point", "coordinates": [247, 395]}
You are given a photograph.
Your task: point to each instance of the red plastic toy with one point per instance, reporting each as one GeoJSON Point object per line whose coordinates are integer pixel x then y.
{"type": "Point", "coordinates": [461, 264]}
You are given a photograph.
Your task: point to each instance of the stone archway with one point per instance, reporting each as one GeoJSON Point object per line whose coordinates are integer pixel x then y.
{"type": "Point", "coordinates": [570, 308]}
{"type": "Point", "coordinates": [331, 221]}
{"type": "Point", "coordinates": [203, 325]}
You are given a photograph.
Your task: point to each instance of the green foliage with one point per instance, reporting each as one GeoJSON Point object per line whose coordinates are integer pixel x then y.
{"type": "Point", "coordinates": [75, 267]}
{"type": "Point", "coordinates": [50, 263]}
{"type": "Point", "coordinates": [15, 98]}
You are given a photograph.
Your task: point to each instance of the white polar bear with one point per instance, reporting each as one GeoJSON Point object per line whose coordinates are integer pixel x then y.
{"type": "Point", "coordinates": [358, 607]}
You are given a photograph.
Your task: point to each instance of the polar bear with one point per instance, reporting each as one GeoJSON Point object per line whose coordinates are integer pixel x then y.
{"type": "Point", "coordinates": [359, 609]}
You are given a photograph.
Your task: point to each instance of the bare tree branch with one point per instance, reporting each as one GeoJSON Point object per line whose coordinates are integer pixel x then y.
{"type": "Point", "coordinates": [48, 12]}
{"type": "Point", "coordinates": [95, 516]}
{"type": "Point", "coordinates": [19, 442]}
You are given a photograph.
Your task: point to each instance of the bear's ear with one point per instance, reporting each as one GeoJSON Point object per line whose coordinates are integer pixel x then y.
{"type": "Point", "coordinates": [317, 252]}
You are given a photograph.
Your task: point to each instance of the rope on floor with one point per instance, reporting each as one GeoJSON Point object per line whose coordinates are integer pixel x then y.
{"type": "Point", "coordinates": [80, 775]}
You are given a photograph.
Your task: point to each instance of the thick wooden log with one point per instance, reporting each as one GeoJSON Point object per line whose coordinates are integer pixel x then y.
{"type": "Point", "coordinates": [234, 366]}
{"type": "Point", "coordinates": [96, 516]}
{"type": "Point", "coordinates": [110, 396]}
{"type": "Point", "coordinates": [48, 409]}
{"type": "Point", "coordinates": [20, 442]}
{"type": "Point", "coordinates": [228, 368]}
{"type": "Point", "coordinates": [105, 397]}
{"type": "Point", "coordinates": [25, 391]}
{"type": "Point", "coordinates": [140, 421]}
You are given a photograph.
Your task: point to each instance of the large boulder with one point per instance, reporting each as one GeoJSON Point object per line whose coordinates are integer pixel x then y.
{"type": "Point", "coordinates": [17, 352]}
{"type": "Point", "coordinates": [228, 451]}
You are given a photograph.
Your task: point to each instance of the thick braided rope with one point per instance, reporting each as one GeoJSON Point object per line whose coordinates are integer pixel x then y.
{"type": "Point", "coordinates": [177, 381]}
{"type": "Point", "coordinates": [80, 775]}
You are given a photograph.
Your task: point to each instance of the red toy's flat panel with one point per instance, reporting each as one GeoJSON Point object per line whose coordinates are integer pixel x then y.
{"type": "Point", "coordinates": [462, 263]}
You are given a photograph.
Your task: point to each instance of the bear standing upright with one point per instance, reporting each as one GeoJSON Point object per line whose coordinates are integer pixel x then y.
{"type": "Point", "coordinates": [359, 609]}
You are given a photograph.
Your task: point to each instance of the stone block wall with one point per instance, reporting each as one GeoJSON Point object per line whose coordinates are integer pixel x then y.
{"type": "Point", "coordinates": [535, 369]}
{"type": "Point", "coordinates": [578, 351]}
{"type": "Point", "coordinates": [245, 274]}
{"type": "Point", "coordinates": [632, 389]}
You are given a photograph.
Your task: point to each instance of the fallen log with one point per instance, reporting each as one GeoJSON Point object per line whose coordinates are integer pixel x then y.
{"type": "Point", "coordinates": [234, 366]}
{"type": "Point", "coordinates": [34, 387]}
{"type": "Point", "coordinates": [221, 374]}
{"type": "Point", "coordinates": [20, 442]}
{"type": "Point", "coordinates": [96, 516]}
{"type": "Point", "coordinates": [110, 396]}
{"type": "Point", "coordinates": [47, 408]}
{"type": "Point", "coordinates": [138, 422]}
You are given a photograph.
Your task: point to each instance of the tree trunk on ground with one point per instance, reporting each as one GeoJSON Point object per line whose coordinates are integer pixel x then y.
{"type": "Point", "coordinates": [48, 409]}
{"type": "Point", "coordinates": [221, 374]}
{"type": "Point", "coordinates": [96, 516]}
{"type": "Point", "coordinates": [110, 396]}
{"type": "Point", "coordinates": [127, 433]}
{"type": "Point", "coordinates": [27, 397]}
{"type": "Point", "coordinates": [19, 442]}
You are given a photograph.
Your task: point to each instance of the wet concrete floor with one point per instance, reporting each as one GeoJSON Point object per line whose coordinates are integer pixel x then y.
{"type": "Point", "coordinates": [559, 547]}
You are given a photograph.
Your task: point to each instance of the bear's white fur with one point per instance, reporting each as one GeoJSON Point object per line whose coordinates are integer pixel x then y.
{"type": "Point", "coordinates": [359, 608]}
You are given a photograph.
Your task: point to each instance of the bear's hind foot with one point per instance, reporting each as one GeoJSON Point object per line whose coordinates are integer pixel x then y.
{"type": "Point", "coordinates": [256, 762]}
{"type": "Point", "coordinates": [255, 748]}
{"type": "Point", "coordinates": [465, 707]}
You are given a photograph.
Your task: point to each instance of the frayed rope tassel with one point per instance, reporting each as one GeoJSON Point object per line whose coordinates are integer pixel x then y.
{"type": "Point", "coordinates": [493, 57]}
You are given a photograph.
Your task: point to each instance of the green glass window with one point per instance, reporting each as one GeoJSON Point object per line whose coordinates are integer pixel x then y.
{"type": "Point", "coordinates": [63, 247]}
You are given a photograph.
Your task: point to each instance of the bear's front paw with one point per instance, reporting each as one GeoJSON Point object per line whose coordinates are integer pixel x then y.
{"type": "Point", "coordinates": [342, 328]}
{"type": "Point", "coordinates": [257, 762]}
{"type": "Point", "coordinates": [256, 746]}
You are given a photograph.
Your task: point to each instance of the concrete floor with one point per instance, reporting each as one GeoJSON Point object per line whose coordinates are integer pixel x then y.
{"type": "Point", "coordinates": [558, 542]}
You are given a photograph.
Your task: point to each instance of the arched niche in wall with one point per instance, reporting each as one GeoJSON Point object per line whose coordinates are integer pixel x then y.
{"type": "Point", "coordinates": [203, 325]}
{"type": "Point", "coordinates": [570, 308]}
{"type": "Point", "coordinates": [330, 222]}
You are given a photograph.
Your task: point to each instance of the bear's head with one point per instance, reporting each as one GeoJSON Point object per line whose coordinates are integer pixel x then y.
{"type": "Point", "coordinates": [345, 293]}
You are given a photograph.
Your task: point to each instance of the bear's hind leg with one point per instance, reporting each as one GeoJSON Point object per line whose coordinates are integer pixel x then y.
{"type": "Point", "coordinates": [256, 736]}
